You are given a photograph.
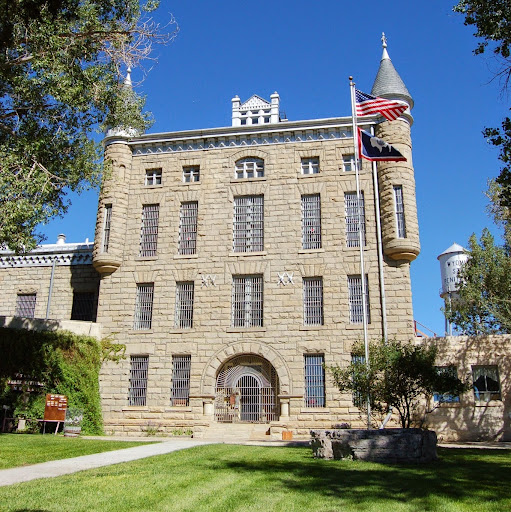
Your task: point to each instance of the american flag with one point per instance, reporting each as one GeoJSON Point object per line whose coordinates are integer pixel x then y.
{"type": "Point", "coordinates": [389, 109]}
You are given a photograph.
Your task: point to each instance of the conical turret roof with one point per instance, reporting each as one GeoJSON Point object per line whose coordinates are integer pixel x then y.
{"type": "Point", "coordinates": [388, 84]}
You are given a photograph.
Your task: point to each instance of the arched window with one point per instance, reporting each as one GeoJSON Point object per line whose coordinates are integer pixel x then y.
{"type": "Point", "coordinates": [249, 168]}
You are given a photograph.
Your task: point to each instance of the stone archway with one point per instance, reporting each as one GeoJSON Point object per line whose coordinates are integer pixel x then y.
{"type": "Point", "coordinates": [247, 388]}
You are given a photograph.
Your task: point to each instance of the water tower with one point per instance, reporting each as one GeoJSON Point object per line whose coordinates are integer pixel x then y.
{"type": "Point", "coordinates": [451, 262]}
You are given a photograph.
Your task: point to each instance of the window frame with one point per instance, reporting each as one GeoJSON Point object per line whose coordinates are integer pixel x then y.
{"type": "Point", "coordinates": [486, 395]}
{"type": "Point", "coordinates": [180, 382]}
{"type": "Point", "coordinates": [248, 224]}
{"type": "Point", "coordinates": [247, 301]}
{"type": "Point", "coordinates": [188, 218]}
{"type": "Point", "coordinates": [351, 203]}
{"type": "Point", "coordinates": [446, 398]}
{"type": "Point", "coordinates": [311, 221]}
{"type": "Point", "coordinates": [313, 307]}
{"type": "Point", "coordinates": [314, 395]}
{"type": "Point", "coordinates": [25, 305]}
{"type": "Point", "coordinates": [183, 318]}
{"type": "Point", "coordinates": [309, 166]}
{"type": "Point", "coordinates": [107, 224]}
{"type": "Point", "coordinates": [355, 299]}
{"type": "Point", "coordinates": [149, 230]}
{"type": "Point", "coordinates": [153, 177]}
{"type": "Point", "coordinates": [144, 302]}
{"type": "Point", "coordinates": [249, 168]}
{"type": "Point", "coordinates": [348, 163]}
{"type": "Point", "coordinates": [191, 173]}
{"type": "Point", "coordinates": [139, 372]}
{"type": "Point", "coordinates": [84, 307]}
{"type": "Point", "coordinates": [399, 211]}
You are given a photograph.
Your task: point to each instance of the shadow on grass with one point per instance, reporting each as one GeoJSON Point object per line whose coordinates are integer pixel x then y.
{"type": "Point", "coordinates": [470, 476]}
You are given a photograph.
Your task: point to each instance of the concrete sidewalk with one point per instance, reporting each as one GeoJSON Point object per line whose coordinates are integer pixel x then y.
{"type": "Point", "coordinates": [66, 466]}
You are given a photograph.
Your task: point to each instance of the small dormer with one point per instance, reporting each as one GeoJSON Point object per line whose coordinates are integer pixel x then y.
{"type": "Point", "coordinates": [255, 110]}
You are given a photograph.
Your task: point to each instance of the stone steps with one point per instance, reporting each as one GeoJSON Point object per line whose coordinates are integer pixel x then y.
{"type": "Point", "coordinates": [237, 432]}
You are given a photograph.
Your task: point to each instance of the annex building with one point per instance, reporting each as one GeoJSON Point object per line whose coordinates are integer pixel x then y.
{"type": "Point", "coordinates": [227, 260]}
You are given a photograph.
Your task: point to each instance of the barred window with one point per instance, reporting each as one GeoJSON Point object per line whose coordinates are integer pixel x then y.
{"type": "Point", "coordinates": [247, 301]}
{"type": "Point", "coordinates": [249, 168]}
{"type": "Point", "coordinates": [187, 243]}
{"type": "Point", "coordinates": [314, 380]}
{"type": "Point", "coordinates": [144, 306]}
{"type": "Point", "coordinates": [84, 306]}
{"type": "Point", "coordinates": [486, 383]}
{"type": "Point", "coordinates": [248, 224]}
{"type": "Point", "coordinates": [351, 210]}
{"type": "Point", "coordinates": [106, 227]}
{"type": "Point", "coordinates": [153, 177]}
{"type": "Point", "coordinates": [184, 305]}
{"type": "Point", "coordinates": [191, 173]}
{"type": "Point", "coordinates": [348, 163]}
{"type": "Point", "coordinates": [313, 300]}
{"type": "Point", "coordinates": [149, 230]}
{"type": "Point", "coordinates": [451, 371]}
{"type": "Point", "coordinates": [400, 211]}
{"type": "Point", "coordinates": [311, 221]}
{"type": "Point", "coordinates": [180, 390]}
{"type": "Point", "coordinates": [357, 397]}
{"type": "Point", "coordinates": [355, 299]}
{"type": "Point", "coordinates": [310, 165]}
{"type": "Point", "coordinates": [25, 305]}
{"type": "Point", "coordinates": [138, 380]}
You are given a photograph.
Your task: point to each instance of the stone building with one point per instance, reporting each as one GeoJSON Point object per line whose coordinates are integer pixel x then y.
{"type": "Point", "coordinates": [230, 267]}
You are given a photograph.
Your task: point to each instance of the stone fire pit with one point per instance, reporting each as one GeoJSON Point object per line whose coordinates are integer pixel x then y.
{"type": "Point", "coordinates": [393, 445]}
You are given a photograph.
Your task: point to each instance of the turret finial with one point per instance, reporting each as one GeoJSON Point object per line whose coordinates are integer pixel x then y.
{"type": "Point", "coordinates": [385, 55]}
{"type": "Point", "coordinates": [127, 80]}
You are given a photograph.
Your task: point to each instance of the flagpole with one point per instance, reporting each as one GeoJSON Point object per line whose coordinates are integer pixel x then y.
{"type": "Point", "coordinates": [360, 238]}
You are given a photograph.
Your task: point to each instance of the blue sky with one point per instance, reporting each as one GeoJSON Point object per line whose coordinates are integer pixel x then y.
{"type": "Point", "coordinates": [306, 51]}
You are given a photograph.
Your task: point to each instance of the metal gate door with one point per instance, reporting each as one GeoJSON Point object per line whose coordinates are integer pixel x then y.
{"type": "Point", "coordinates": [246, 391]}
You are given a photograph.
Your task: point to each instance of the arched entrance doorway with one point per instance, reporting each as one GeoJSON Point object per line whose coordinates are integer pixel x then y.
{"type": "Point", "coordinates": [246, 391]}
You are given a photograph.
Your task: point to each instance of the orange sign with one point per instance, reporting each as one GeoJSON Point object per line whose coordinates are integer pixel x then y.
{"type": "Point", "coordinates": [55, 409]}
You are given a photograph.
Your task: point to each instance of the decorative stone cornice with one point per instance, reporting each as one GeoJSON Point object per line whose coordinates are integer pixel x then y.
{"type": "Point", "coordinates": [45, 255]}
{"type": "Point", "coordinates": [244, 137]}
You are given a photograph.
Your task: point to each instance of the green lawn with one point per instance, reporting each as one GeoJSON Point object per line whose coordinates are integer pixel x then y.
{"type": "Point", "coordinates": [23, 449]}
{"type": "Point", "coordinates": [246, 478]}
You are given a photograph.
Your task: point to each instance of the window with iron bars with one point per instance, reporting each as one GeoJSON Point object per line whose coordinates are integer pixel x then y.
{"type": "Point", "coordinates": [358, 399]}
{"type": "Point", "coordinates": [313, 300]}
{"type": "Point", "coordinates": [191, 173]}
{"type": "Point", "coordinates": [187, 243]}
{"type": "Point", "coordinates": [247, 301]}
{"type": "Point", "coordinates": [400, 211]}
{"type": "Point", "coordinates": [184, 305]}
{"type": "Point", "coordinates": [25, 305]}
{"type": "Point", "coordinates": [106, 228]}
{"type": "Point", "coordinates": [351, 211]}
{"type": "Point", "coordinates": [248, 224]}
{"type": "Point", "coordinates": [149, 230]}
{"type": "Point", "coordinates": [249, 168]}
{"type": "Point", "coordinates": [180, 390]}
{"type": "Point", "coordinates": [153, 177]}
{"type": "Point", "coordinates": [348, 163]}
{"type": "Point", "coordinates": [314, 380]}
{"type": "Point", "coordinates": [84, 306]}
{"type": "Point", "coordinates": [311, 221]}
{"type": "Point", "coordinates": [355, 299]}
{"type": "Point", "coordinates": [138, 380]}
{"type": "Point", "coordinates": [310, 165]}
{"type": "Point", "coordinates": [144, 306]}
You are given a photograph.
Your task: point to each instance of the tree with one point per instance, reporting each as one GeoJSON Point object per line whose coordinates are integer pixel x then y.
{"type": "Point", "coordinates": [399, 376]}
{"type": "Point", "coordinates": [482, 304]}
{"type": "Point", "coordinates": [492, 20]}
{"type": "Point", "coordinates": [61, 79]}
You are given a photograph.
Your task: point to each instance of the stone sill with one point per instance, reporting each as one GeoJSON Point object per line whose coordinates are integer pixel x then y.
{"type": "Point", "coordinates": [245, 180]}
{"type": "Point", "coordinates": [314, 410]}
{"type": "Point", "coordinates": [305, 176]}
{"type": "Point", "coordinates": [181, 331]}
{"type": "Point", "coordinates": [356, 327]}
{"type": "Point", "coordinates": [178, 408]}
{"type": "Point", "coordinates": [185, 256]}
{"type": "Point", "coordinates": [491, 403]}
{"type": "Point", "coordinates": [190, 183]}
{"type": "Point", "coordinates": [136, 332]}
{"type": "Point", "coordinates": [311, 251]}
{"type": "Point", "coordinates": [146, 258]}
{"type": "Point", "coordinates": [246, 329]}
{"type": "Point", "coordinates": [149, 187]}
{"type": "Point", "coordinates": [312, 327]}
{"type": "Point", "coordinates": [135, 408]}
{"type": "Point", "coordinates": [245, 254]}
